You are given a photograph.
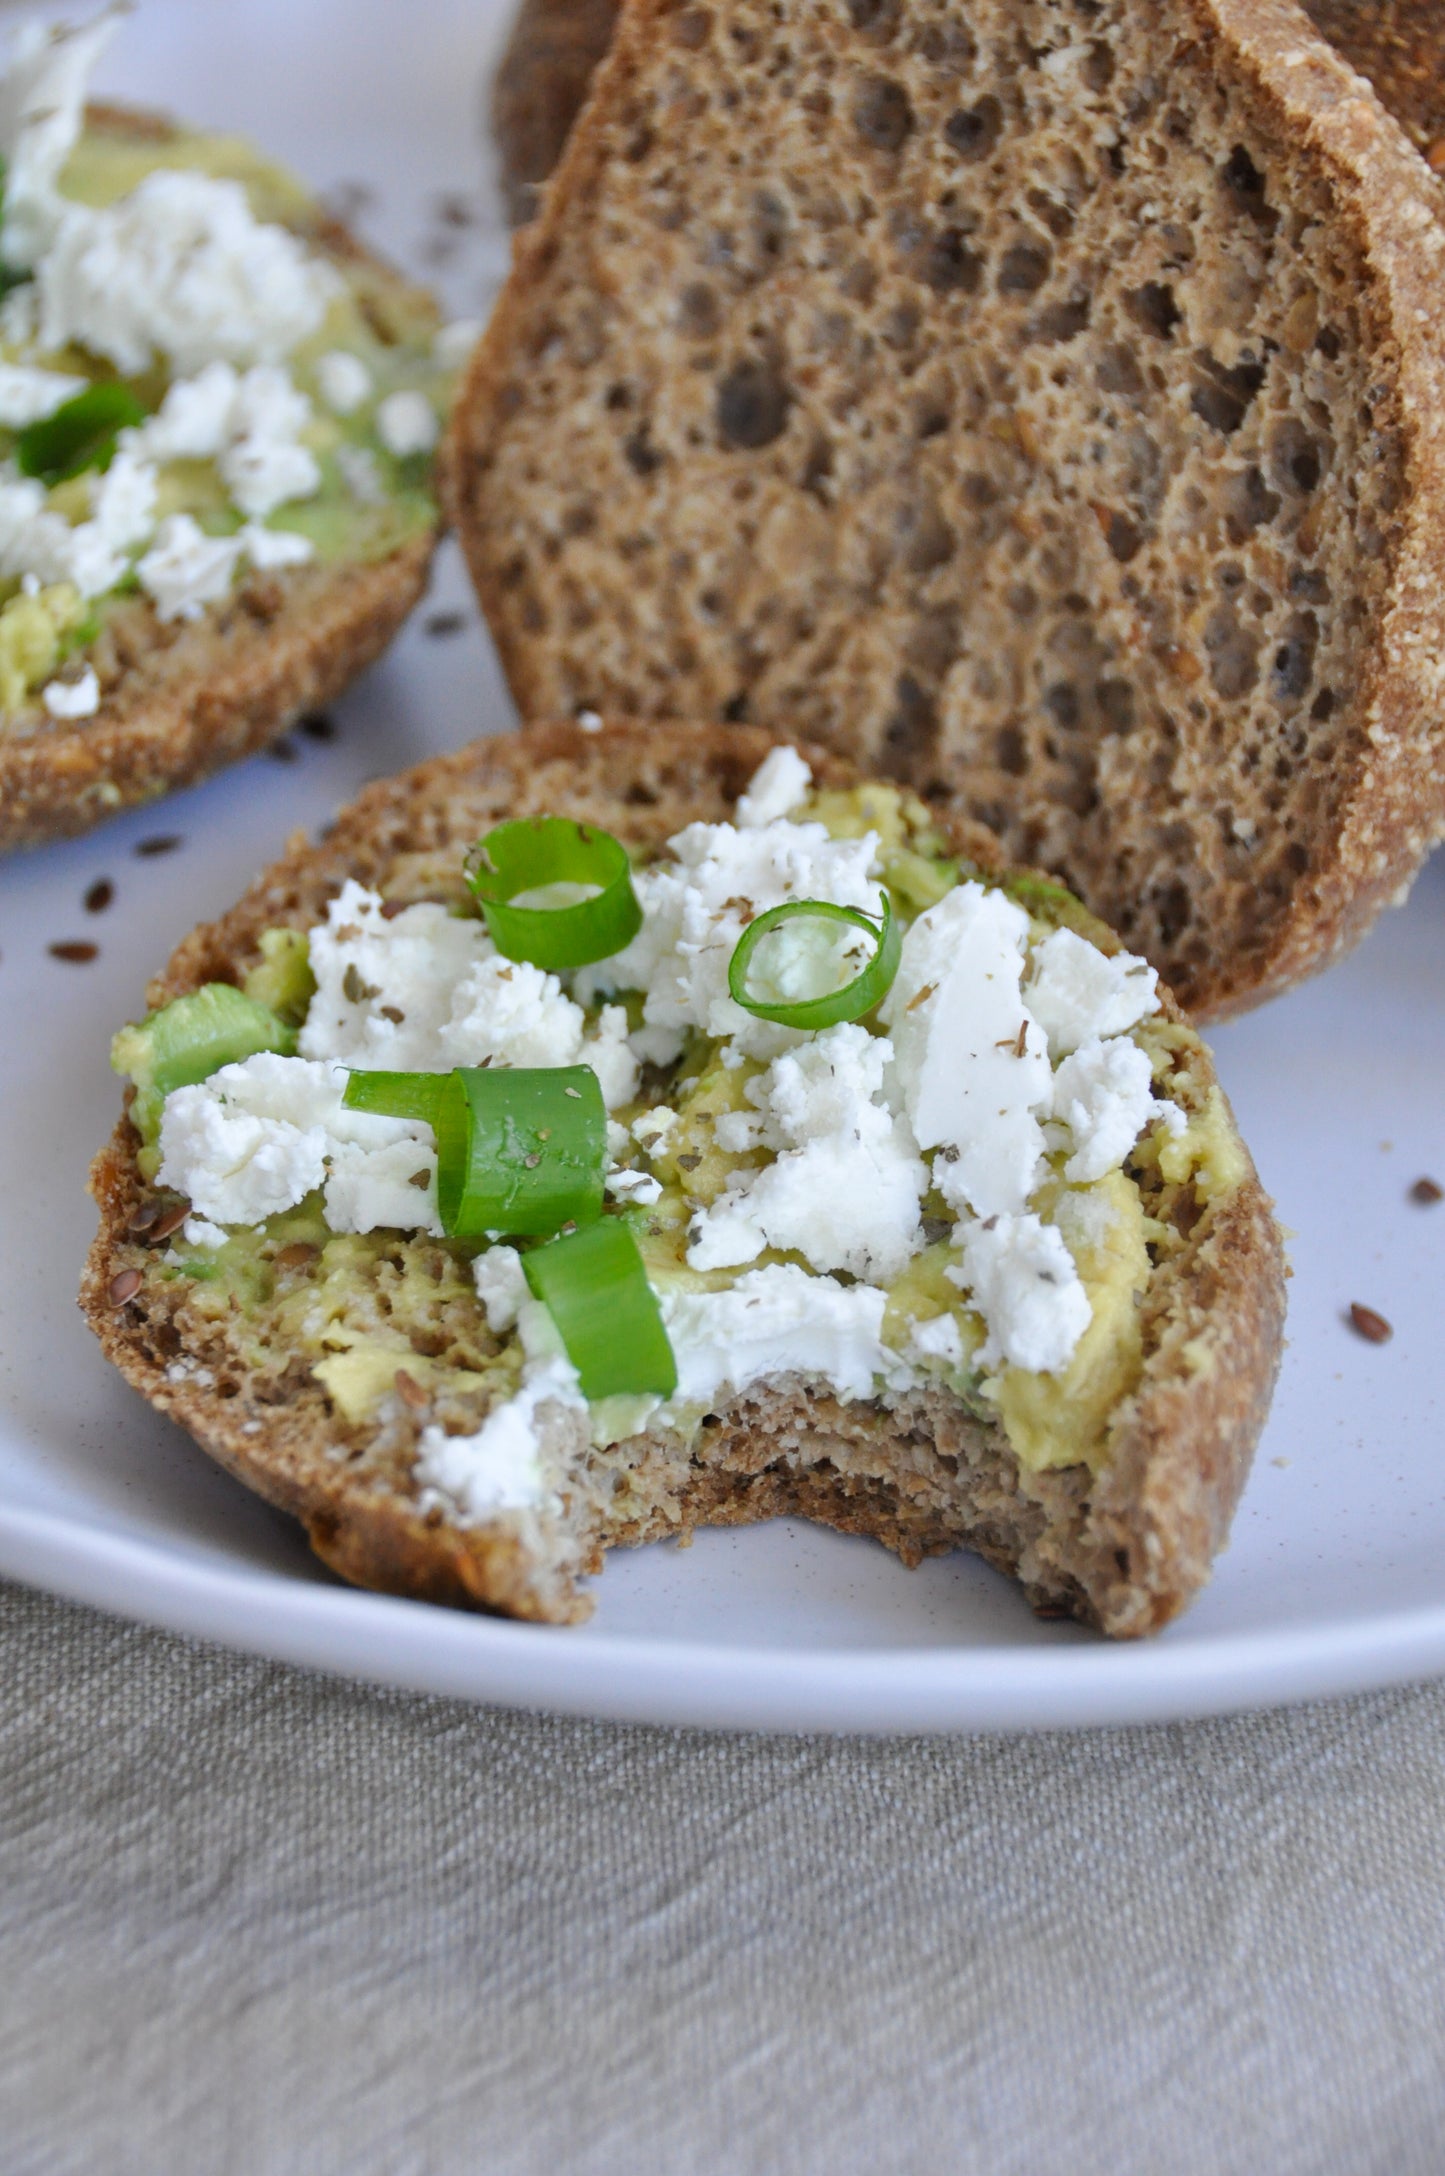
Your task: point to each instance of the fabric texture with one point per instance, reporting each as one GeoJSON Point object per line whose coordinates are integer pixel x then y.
{"type": "Point", "coordinates": [254, 1920]}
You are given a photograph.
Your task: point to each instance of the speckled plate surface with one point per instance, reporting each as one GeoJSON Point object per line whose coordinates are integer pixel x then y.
{"type": "Point", "coordinates": [1335, 1579]}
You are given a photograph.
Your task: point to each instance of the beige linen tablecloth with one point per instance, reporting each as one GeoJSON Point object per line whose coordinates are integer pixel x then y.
{"type": "Point", "coordinates": [257, 1921]}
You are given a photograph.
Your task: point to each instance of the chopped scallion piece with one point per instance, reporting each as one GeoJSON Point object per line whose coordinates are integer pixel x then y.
{"type": "Point", "coordinates": [856, 997]}
{"type": "Point", "coordinates": [520, 1149]}
{"type": "Point", "coordinates": [593, 914]}
{"type": "Point", "coordinates": [80, 435]}
{"type": "Point", "coordinates": [606, 1312]}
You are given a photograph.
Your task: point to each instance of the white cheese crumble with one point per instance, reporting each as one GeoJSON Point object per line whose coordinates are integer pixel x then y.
{"type": "Point", "coordinates": [185, 570]}
{"type": "Point", "coordinates": [1020, 1276]}
{"type": "Point", "coordinates": [1104, 1094]}
{"type": "Point", "coordinates": [497, 1469]}
{"type": "Point", "coordinates": [777, 1321]}
{"type": "Point", "coordinates": [779, 783]}
{"type": "Point", "coordinates": [501, 1286]}
{"type": "Point", "coordinates": [259, 1136]}
{"type": "Point", "coordinates": [343, 381]}
{"type": "Point", "coordinates": [1078, 993]}
{"type": "Point", "coordinates": [973, 1066]}
{"type": "Point", "coordinates": [30, 396]}
{"type": "Point", "coordinates": [79, 698]}
{"type": "Point", "coordinates": [844, 1187]}
{"type": "Point", "coordinates": [407, 423]}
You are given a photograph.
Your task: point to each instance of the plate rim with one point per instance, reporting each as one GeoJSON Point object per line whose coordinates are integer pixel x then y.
{"type": "Point", "coordinates": [623, 1677]}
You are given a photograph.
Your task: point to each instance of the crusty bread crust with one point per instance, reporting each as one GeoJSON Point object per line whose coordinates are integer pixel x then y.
{"type": "Point", "coordinates": [1124, 1553]}
{"type": "Point", "coordinates": [1399, 47]}
{"type": "Point", "coordinates": [1231, 917]}
{"type": "Point", "coordinates": [180, 701]}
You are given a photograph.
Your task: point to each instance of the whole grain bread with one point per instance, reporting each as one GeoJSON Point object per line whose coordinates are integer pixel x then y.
{"type": "Point", "coordinates": [1042, 404]}
{"type": "Point", "coordinates": [1123, 1551]}
{"type": "Point", "coordinates": [555, 46]}
{"type": "Point", "coordinates": [180, 700]}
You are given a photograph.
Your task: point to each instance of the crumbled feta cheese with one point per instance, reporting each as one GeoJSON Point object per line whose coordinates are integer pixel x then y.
{"type": "Point", "coordinates": [497, 1469]}
{"type": "Point", "coordinates": [184, 570]}
{"type": "Point", "coordinates": [42, 108]}
{"type": "Point", "coordinates": [193, 422]}
{"type": "Point", "coordinates": [407, 423]}
{"type": "Point", "coordinates": [780, 782]}
{"type": "Point", "coordinates": [696, 907]}
{"type": "Point", "coordinates": [777, 1321]}
{"type": "Point", "coordinates": [638, 1187]}
{"type": "Point", "coordinates": [1104, 1094]}
{"type": "Point", "coordinates": [258, 1137]}
{"type": "Point", "coordinates": [501, 1286]}
{"type": "Point", "coordinates": [652, 1129]}
{"type": "Point", "coordinates": [939, 1338]}
{"type": "Point", "coordinates": [30, 396]}
{"type": "Point", "coordinates": [343, 381]}
{"type": "Point", "coordinates": [386, 990]}
{"type": "Point", "coordinates": [268, 549]}
{"type": "Point", "coordinates": [844, 1189]}
{"type": "Point", "coordinates": [512, 1012]}
{"type": "Point", "coordinates": [454, 343]}
{"type": "Point", "coordinates": [1020, 1276]}
{"type": "Point", "coordinates": [265, 465]}
{"type": "Point", "coordinates": [1078, 993]}
{"type": "Point", "coordinates": [199, 1231]}
{"type": "Point", "coordinates": [21, 499]}
{"type": "Point", "coordinates": [50, 549]}
{"type": "Point", "coordinates": [78, 698]}
{"type": "Point", "coordinates": [180, 267]}
{"type": "Point", "coordinates": [972, 1063]}
{"type": "Point", "coordinates": [123, 497]}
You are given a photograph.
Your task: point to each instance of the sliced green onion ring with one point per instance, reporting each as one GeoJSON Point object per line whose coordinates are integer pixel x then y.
{"type": "Point", "coordinates": [533, 851]}
{"type": "Point", "coordinates": [606, 1312]}
{"type": "Point", "coordinates": [857, 997]}
{"type": "Point", "coordinates": [80, 435]}
{"type": "Point", "coordinates": [520, 1150]}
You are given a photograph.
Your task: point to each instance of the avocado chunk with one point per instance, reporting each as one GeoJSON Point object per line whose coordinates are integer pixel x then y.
{"type": "Point", "coordinates": [189, 1040]}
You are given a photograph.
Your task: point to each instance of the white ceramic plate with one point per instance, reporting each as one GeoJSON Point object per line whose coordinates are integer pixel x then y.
{"type": "Point", "coordinates": [1335, 1579]}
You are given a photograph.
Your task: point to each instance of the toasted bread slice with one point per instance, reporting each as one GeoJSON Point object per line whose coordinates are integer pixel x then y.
{"type": "Point", "coordinates": [181, 699]}
{"type": "Point", "coordinates": [556, 45]}
{"type": "Point", "coordinates": [1045, 412]}
{"type": "Point", "coordinates": [1122, 1543]}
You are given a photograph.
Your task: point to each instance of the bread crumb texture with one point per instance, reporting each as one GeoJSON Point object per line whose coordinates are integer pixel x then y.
{"type": "Point", "coordinates": [314, 1367]}
{"type": "Point", "coordinates": [1040, 405]}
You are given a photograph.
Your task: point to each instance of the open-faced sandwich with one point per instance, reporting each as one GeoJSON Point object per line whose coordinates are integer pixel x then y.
{"type": "Point", "coordinates": [1042, 404]}
{"type": "Point", "coordinates": [608, 1132]}
{"type": "Point", "coordinates": [218, 422]}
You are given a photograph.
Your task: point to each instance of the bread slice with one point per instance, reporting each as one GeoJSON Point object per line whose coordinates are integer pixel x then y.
{"type": "Point", "coordinates": [180, 700]}
{"type": "Point", "coordinates": [555, 47]}
{"type": "Point", "coordinates": [1123, 1548]}
{"type": "Point", "coordinates": [1040, 405]}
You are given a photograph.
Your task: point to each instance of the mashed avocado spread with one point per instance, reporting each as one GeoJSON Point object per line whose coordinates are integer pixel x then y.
{"type": "Point", "coordinates": [699, 1144]}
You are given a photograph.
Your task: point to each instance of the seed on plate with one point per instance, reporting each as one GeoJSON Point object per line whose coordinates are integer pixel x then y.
{"type": "Point", "coordinates": [1372, 1327]}
{"type": "Point", "coordinates": [1427, 1192]}
{"type": "Point", "coordinates": [76, 950]}
{"type": "Point", "coordinates": [316, 725]}
{"type": "Point", "coordinates": [100, 895]}
{"type": "Point", "coordinates": [164, 843]}
{"type": "Point", "coordinates": [283, 751]}
{"type": "Point", "coordinates": [124, 1287]}
{"type": "Point", "coordinates": [444, 623]}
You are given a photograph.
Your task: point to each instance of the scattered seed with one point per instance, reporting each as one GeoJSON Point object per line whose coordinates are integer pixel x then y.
{"type": "Point", "coordinates": [1372, 1327]}
{"type": "Point", "coordinates": [410, 1391]}
{"type": "Point", "coordinates": [142, 1218]}
{"type": "Point", "coordinates": [393, 1013]}
{"type": "Point", "coordinates": [391, 908]}
{"type": "Point", "coordinates": [456, 211]}
{"type": "Point", "coordinates": [355, 989]}
{"type": "Point", "coordinates": [419, 1178]}
{"type": "Point", "coordinates": [345, 199]}
{"type": "Point", "coordinates": [1435, 155]}
{"type": "Point", "coordinates": [1426, 1192]}
{"type": "Point", "coordinates": [100, 895]}
{"type": "Point", "coordinates": [75, 950]}
{"type": "Point", "coordinates": [922, 997]}
{"type": "Point", "coordinates": [690, 1161]}
{"type": "Point", "coordinates": [444, 623]}
{"type": "Point", "coordinates": [170, 1220]}
{"type": "Point", "coordinates": [164, 843]}
{"type": "Point", "coordinates": [123, 1288]}
{"type": "Point", "coordinates": [300, 1254]}
{"type": "Point", "coordinates": [317, 726]}
{"type": "Point", "coordinates": [533, 1160]}
{"type": "Point", "coordinates": [283, 751]}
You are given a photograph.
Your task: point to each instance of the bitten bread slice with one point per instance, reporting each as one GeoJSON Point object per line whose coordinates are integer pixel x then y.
{"type": "Point", "coordinates": [1042, 405]}
{"type": "Point", "coordinates": [555, 46]}
{"type": "Point", "coordinates": [1123, 1548]}
{"type": "Point", "coordinates": [181, 699]}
